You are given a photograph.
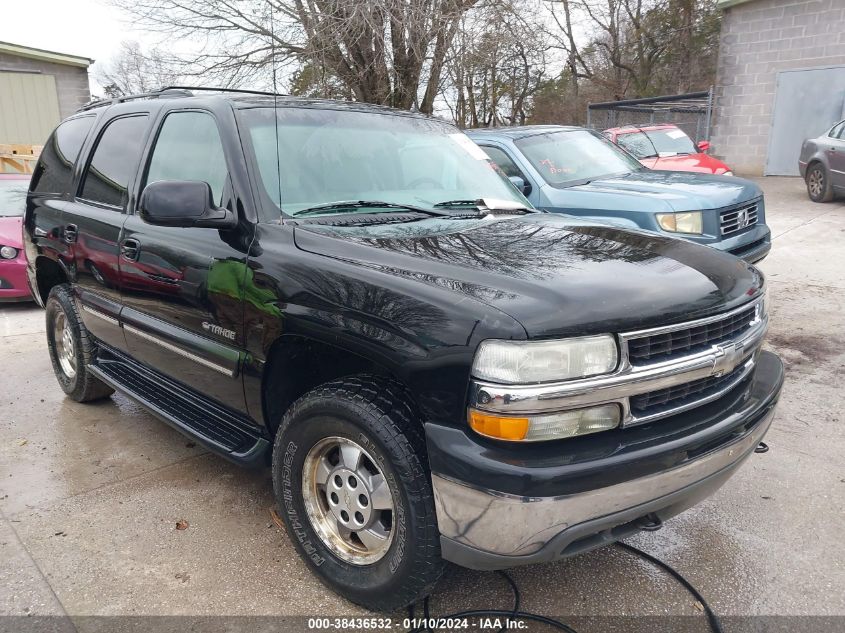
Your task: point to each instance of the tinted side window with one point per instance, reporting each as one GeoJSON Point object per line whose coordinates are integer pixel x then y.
{"type": "Point", "coordinates": [114, 161]}
{"type": "Point", "coordinates": [504, 161]}
{"type": "Point", "coordinates": [54, 171]}
{"type": "Point", "coordinates": [189, 148]}
{"type": "Point", "coordinates": [838, 131]}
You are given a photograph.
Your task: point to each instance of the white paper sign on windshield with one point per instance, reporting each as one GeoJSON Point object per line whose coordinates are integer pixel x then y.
{"type": "Point", "coordinates": [675, 134]}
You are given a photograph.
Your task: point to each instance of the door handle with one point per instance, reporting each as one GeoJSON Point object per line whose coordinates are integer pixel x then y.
{"type": "Point", "coordinates": [71, 232]}
{"type": "Point", "coordinates": [130, 249]}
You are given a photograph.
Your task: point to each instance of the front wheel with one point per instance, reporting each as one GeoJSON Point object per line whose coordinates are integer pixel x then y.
{"type": "Point", "coordinates": [818, 184]}
{"type": "Point", "coordinates": [350, 478]}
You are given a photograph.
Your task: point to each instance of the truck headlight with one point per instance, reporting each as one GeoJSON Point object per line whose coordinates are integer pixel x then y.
{"type": "Point", "coordinates": [547, 426]}
{"type": "Point", "coordinates": [687, 222]}
{"type": "Point", "coordinates": [521, 362]}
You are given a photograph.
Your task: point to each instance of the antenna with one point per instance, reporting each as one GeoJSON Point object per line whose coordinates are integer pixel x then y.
{"type": "Point", "coordinates": [275, 101]}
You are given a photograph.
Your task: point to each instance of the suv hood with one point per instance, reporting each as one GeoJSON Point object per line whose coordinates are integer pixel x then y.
{"type": "Point", "coordinates": [655, 191]}
{"type": "Point", "coordinates": [554, 274]}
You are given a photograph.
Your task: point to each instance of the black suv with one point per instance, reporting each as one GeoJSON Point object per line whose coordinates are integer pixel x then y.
{"type": "Point", "coordinates": [359, 297]}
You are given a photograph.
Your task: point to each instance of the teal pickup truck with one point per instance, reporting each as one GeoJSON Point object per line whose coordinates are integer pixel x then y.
{"type": "Point", "coordinates": [576, 171]}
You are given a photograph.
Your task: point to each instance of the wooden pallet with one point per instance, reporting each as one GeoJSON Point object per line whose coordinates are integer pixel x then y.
{"type": "Point", "coordinates": [18, 159]}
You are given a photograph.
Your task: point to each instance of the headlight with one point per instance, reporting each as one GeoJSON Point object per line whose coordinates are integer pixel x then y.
{"type": "Point", "coordinates": [8, 252]}
{"type": "Point", "coordinates": [548, 426]}
{"type": "Point", "coordinates": [728, 173]}
{"type": "Point", "coordinates": [521, 362]}
{"type": "Point", "coordinates": [688, 222]}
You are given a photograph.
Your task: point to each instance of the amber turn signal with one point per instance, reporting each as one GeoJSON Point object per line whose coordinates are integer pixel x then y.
{"type": "Point", "coordinates": [547, 426]}
{"type": "Point", "coordinates": [501, 427]}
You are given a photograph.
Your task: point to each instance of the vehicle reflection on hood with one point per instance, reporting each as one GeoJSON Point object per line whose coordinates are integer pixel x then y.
{"type": "Point", "coordinates": [519, 265]}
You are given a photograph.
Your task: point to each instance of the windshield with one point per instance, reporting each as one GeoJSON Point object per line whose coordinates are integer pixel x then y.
{"type": "Point", "coordinates": [572, 157]}
{"type": "Point", "coordinates": [652, 143]}
{"type": "Point", "coordinates": [13, 197]}
{"type": "Point", "coordinates": [327, 156]}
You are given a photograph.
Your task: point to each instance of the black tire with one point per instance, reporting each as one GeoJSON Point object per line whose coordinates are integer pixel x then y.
{"type": "Point", "coordinates": [374, 413]}
{"type": "Point", "coordinates": [80, 384]}
{"type": "Point", "coordinates": [818, 183]}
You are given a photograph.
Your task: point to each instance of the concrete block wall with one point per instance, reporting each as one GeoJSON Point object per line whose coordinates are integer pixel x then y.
{"type": "Point", "coordinates": [71, 81]}
{"type": "Point", "coordinates": [760, 38]}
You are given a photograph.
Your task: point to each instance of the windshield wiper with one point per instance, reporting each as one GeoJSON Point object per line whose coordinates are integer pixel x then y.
{"type": "Point", "coordinates": [485, 204]}
{"type": "Point", "coordinates": [343, 205]}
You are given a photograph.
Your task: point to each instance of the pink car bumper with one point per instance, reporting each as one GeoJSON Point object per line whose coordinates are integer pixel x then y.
{"type": "Point", "coordinates": [13, 284]}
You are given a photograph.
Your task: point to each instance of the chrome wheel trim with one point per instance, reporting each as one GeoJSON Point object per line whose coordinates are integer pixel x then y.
{"type": "Point", "coordinates": [63, 341]}
{"type": "Point", "coordinates": [348, 501]}
{"type": "Point", "coordinates": [815, 182]}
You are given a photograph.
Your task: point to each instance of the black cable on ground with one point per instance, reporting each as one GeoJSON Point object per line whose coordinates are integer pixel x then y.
{"type": "Point", "coordinates": [712, 618]}
{"type": "Point", "coordinates": [517, 614]}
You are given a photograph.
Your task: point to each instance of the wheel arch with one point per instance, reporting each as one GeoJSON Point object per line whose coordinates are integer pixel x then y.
{"type": "Point", "coordinates": [48, 274]}
{"type": "Point", "coordinates": [814, 160]}
{"type": "Point", "coordinates": [296, 364]}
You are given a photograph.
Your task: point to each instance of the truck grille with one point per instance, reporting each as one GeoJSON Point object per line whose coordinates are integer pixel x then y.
{"type": "Point", "coordinates": [668, 345]}
{"type": "Point", "coordinates": [739, 218]}
{"type": "Point", "coordinates": [652, 402]}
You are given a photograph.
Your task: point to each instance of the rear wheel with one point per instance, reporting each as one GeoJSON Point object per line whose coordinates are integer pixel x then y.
{"type": "Point", "coordinates": [72, 350]}
{"type": "Point", "coordinates": [818, 184]}
{"type": "Point", "coordinates": [350, 476]}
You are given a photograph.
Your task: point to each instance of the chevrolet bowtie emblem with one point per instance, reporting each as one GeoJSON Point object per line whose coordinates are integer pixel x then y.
{"type": "Point", "coordinates": [728, 356]}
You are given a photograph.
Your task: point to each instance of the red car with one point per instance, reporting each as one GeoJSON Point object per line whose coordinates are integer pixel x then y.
{"type": "Point", "coordinates": [666, 146]}
{"type": "Point", "coordinates": [13, 286]}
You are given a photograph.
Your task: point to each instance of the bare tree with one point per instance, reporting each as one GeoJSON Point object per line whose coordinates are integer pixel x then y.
{"type": "Point", "coordinates": [384, 51]}
{"type": "Point", "coordinates": [494, 66]}
{"type": "Point", "coordinates": [134, 71]}
{"type": "Point", "coordinates": [632, 41]}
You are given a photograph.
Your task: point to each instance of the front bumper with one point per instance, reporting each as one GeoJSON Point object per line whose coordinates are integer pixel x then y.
{"type": "Point", "coordinates": [753, 252]}
{"type": "Point", "coordinates": [13, 282]}
{"type": "Point", "coordinates": [500, 507]}
{"type": "Point", "coordinates": [752, 245]}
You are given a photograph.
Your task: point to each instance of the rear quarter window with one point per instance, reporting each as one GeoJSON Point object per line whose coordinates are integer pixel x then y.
{"type": "Point", "coordinates": [54, 171]}
{"type": "Point", "coordinates": [114, 161]}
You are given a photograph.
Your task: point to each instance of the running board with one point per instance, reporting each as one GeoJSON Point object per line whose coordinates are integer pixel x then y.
{"type": "Point", "coordinates": [218, 428]}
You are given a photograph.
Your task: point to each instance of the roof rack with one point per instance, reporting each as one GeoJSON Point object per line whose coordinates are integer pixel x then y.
{"type": "Point", "coordinates": [170, 91]}
{"type": "Point", "coordinates": [97, 103]}
{"type": "Point", "coordinates": [215, 89]}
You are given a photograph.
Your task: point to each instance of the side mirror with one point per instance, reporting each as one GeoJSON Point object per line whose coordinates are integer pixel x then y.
{"type": "Point", "coordinates": [183, 203]}
{"type": "Point", "coordinates": [703, 145]}
{"type": "Point", "coordinates": [520, 184]}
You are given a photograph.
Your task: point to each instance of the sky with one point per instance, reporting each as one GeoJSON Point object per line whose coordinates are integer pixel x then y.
{"type": "Point", "coordinates": [88, 28]}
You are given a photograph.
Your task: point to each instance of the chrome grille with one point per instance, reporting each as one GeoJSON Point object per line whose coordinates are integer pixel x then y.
{"type": "Point", "coordinates": [738, 219]}
{"type": "Point", "coordinates": [677, 396]}
{"type": "Point", "coordinates": [663, 371]}
{"type": "Point", "coordinates": [687, 340]}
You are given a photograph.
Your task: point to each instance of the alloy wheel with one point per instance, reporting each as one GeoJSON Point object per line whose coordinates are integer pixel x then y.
{"type": "Point", "coordinates": [63, 339]}
{"type": "Point", "coordinates": [815, 183]}
{"type": "Point", "coordinates": [348, 500]}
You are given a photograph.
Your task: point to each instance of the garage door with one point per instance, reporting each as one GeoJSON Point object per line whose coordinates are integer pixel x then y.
{"type": "Point", "coordinates": [807, 102]}
{"type": "Point", "coordinates": [29, 107]}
